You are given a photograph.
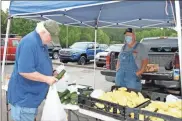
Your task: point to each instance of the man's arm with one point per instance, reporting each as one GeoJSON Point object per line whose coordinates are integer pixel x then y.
{"type": "Point", "coordinates": [118, 62]}
{"type": "Point", "coordinates": [36, 76]}
{"type": "Point", "coordinates": [117, 65]}
{"type": "Point", "coordinates": [143, 66]}
{"type": "Point", "coordinates": [144, 58]}
{"type": "Point", "coordinates": [27, 64]}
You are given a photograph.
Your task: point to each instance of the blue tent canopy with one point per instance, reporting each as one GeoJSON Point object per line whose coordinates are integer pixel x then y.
{"type": "Point", "coordinates": [102, 14]}
{"type": "Point", "coordinates": [117, 14]}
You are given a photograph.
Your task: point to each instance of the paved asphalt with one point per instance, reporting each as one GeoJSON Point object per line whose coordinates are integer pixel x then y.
{"type": "Point", "coordinates": [80, 75]}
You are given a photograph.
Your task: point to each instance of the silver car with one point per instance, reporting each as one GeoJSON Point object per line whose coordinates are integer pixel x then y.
{"type": "Point", "coordinates": [101, 56]}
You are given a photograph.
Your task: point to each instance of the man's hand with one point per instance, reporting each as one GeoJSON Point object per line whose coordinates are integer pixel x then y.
{"type": "Point", "coordinates": [138, 73]}
{"type": "Point", "coordinates": [117, 66]}
{"type": "Point", "coordinates": [50, 80]}
{"type": "Point", "coordinates": [55, 73]}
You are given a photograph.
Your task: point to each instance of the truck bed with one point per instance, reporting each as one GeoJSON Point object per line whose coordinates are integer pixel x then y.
{"type": "Point", "coordinates": [163, 78]}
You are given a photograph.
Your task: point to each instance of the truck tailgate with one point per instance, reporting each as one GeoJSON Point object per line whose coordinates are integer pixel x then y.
{"type": "Point", "coordinates": [168, 76]}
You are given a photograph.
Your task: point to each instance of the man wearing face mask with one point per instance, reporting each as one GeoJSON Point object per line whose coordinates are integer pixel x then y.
{"type": "Point", "coordinates": [132, 61]}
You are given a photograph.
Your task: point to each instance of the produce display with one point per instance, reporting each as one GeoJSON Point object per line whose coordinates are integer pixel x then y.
{"type": "Point", "coordinates": [70, 95]}
{"type": "Point", "coordinates": [67, 97]}
{"type": "Point", "coordinates": [123, 103]}
{"type": "Point", "coordinates": [173, 108]}
{"type": "Point", "coordinates": [123, 97]}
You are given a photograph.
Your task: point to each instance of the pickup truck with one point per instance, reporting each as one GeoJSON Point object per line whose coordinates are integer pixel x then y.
{"type": "Point", "coordinates": [53, 49]}
{"type": "Point", "coordinates": [161, 51]}
{"type": "Point", "coordinates": [13, 42]}
{"type": "Point", "coordinates": [80, 52]}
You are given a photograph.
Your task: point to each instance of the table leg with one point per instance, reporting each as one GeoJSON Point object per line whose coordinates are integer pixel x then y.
{"type": "Point", "coordinates": [76, 115]}
{"type": "Point", "coordinates": [69, 115]}
{"type": "Point", "coordinates": [7, 106]}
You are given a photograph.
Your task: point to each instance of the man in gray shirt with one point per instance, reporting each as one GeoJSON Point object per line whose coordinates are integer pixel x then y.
{"type": "Point", "coordinates": [132, 61]}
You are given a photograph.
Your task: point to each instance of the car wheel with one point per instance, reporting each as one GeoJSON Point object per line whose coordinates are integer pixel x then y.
{"type": "Point", "coordinates": [82, 60]}
{"type": "Point", "coordinates": [99, 65]}
{"type": "Point", "coordinates": [55, 55]}
{"type": "Point", "coordinates": [64, 61]}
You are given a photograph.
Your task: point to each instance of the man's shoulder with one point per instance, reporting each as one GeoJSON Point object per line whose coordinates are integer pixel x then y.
{"type": "Point", "coordinates": [28, 39]}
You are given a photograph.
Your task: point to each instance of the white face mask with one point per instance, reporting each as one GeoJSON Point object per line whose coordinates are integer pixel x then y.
{"type": "Point", "coordinates": [128, 39]}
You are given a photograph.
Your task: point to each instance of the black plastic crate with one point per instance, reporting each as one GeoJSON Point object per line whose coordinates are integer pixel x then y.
{"type": "Point", "coordinates": [89, 103]}
{"type": "Point", "coordinates": [137, 111]}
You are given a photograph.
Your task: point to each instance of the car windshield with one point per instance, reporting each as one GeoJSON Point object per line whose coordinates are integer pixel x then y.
{"type": "Point", "coordinates": [79, 45]}
{"type": "Point", "coordinates": [15, 43]}
{"type": "Point", "coordinates": [2, 42]}
{"type": "Point", "coordinates": [114, 48]}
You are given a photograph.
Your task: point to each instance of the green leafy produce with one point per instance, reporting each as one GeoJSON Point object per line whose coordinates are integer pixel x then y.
{"type": "Point", "coordinates": [87, 93]}
{"type": "Point", "coordinates": [61, 95]}
{"type": "Point", "coordinates": [61, 74]}
{"type": "Point", "coordinates": [68, 98]}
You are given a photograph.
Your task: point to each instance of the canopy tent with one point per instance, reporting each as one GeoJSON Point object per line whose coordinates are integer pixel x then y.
{"type": "Point", "coordinates": [137, 14]}
{"type": "Point", "coordinates": [101, 14]}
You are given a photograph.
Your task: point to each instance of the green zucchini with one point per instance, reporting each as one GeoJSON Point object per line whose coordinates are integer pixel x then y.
{"type": "Point", "coordinates": [67, 101]}
{"type": "Point", "coordinates": [61, 74]}
{"type": "Point", "coordinates": [67, 96]}
{"type": "Point", "coordinates": [64, 93]}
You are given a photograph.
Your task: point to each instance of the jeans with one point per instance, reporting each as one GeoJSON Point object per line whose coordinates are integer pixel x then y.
{"type": "Point", "coordinates": [22, 113]}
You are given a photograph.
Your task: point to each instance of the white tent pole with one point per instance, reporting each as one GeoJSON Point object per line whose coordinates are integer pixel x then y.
{"type": "Point", "coordinates": [95, 54]}
{"type": "Point", "coordinates": [5, 50]}
{"type": "Point", "coordinates": [3, 63]}
{"type": "Point", "coordinates": [178, 28]}
{"type": "Point", "coordinates": [67, 36]}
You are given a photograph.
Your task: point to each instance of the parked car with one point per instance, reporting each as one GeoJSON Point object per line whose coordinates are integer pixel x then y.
{"type": "Point", "coordinates": [13, 42]}
{"type": "Point", "coordinates": [101, 56]}
{"type": "Point", "coordinates": [173, 63]}
{"type": "Point", "coordinates": [103, 47]}
{"type": "Point", "coordinates": [80, 52]}
{"type": "Point", "coordinates": [53, 49]}
{"type": "Point", "coordinates": [160, 50]}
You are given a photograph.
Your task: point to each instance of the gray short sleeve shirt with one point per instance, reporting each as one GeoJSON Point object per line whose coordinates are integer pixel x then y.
{"type": "Point", "coordinates": [140, 54]}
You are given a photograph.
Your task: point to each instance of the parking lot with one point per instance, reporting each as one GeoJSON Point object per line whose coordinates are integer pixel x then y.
{"type": "Point", "coordinates": [80, 75]}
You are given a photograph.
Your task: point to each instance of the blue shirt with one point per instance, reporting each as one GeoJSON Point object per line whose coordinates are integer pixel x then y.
{"type": "Point", "coordinates": [31, 56]}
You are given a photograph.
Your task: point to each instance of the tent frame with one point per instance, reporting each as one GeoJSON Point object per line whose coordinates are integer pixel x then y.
{"type": "Point", "coordinates": [178, 29]}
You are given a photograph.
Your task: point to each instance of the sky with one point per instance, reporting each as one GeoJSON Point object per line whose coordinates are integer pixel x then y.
{"type": "Point", "coordinates": [5, 5]}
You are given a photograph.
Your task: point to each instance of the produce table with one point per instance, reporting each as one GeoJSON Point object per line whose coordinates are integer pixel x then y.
{"type": "Point", "coordinates": [96, 115]}
{"type": "Point", "coordinates": [5, 88]}
{"type": "Point", "coordinates": [71, 108]}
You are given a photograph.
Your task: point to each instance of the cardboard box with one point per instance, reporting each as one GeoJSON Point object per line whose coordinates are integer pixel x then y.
{"type": "Point", "coordinates": [152, 68]}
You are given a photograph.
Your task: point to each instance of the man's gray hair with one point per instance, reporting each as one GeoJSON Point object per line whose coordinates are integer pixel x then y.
{"type": "Point", "coordinates": [40, 27]}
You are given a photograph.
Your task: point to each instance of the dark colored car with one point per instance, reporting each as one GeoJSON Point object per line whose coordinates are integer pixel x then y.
{"type": "Point", "coordinates": [80, 52]}
{"type": "Point", "coordinates": [53, 49]}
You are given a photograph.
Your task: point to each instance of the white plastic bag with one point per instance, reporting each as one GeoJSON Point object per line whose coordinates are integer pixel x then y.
{"type": "Point", "coordinates": [171, 98]}
{"type": "Point", "coordinates": [62, 84]}
{"type": "Point", "coordinates": [53, 109]}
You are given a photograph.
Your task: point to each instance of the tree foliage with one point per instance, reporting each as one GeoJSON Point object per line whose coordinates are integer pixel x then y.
{"type": "Point", "coordinates": [23, 26]}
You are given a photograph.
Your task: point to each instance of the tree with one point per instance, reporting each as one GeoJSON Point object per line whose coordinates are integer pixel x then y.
{"type": "Point", "coordinates": [4, 17]}
{"type": "Point", "coordinates": [23, 26]}
{"type": "Point", "coordinates": [102, 37]}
